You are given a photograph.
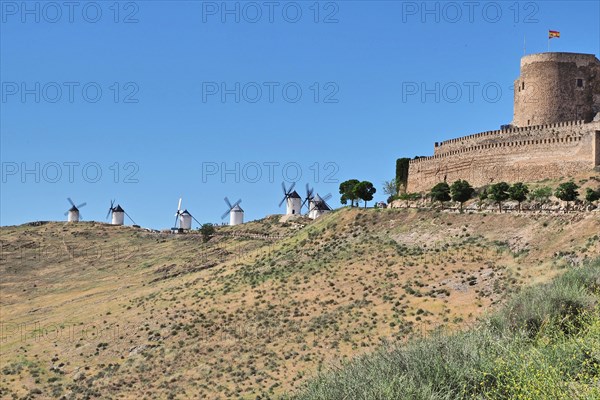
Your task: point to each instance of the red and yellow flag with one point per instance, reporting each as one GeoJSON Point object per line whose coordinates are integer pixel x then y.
{"type": "Point", "coordinates": [553, 34]}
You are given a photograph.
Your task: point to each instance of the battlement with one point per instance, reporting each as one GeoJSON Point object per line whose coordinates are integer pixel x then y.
{"type": "Point", "coordinates": [580, 59]}
{"type": "Point", "coordinates": [469, 140]}
{"type": "Point", "coordinates": [515, 154]}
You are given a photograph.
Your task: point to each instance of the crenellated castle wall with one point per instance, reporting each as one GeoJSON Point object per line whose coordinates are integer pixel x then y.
{"type": "Point", "coordinates": [516, 154]}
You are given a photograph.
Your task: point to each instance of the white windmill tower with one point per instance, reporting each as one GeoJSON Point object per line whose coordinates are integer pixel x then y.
{"type": "Point", "coordinates": [236, 214]}
{"type": "Point", "coordinates": [292, 199]}
{"type": "Point", "coordinates": [117, 214]}
{"type": "Point", "coordinates": [318, 206]}
{"type": "Point", "coordinates": [73, 212]}
{"type": "Point", "coordinates": [184, 218]}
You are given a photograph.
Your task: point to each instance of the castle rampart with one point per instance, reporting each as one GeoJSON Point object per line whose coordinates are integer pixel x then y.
{"type": "Point", "coordinates": [514, 133]}
{"type": "Point", "coordinates": [518, 154]}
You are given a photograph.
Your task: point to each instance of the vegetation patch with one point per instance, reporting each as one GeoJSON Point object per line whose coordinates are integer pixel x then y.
{"type": "Point", "coordinates": [543, 344]}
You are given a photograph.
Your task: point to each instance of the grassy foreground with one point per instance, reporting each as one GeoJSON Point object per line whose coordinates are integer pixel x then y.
{"type": "Point", "coordinates": [544, 344]}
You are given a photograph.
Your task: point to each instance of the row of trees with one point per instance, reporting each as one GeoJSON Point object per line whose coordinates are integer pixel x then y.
{"type": "Point", "coordinates": [462, 191]}
{"type": "Point", "coordinates": [354, 190]}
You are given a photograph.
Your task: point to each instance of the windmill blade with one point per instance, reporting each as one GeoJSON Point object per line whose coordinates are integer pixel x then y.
{"type": "Point", "coordinates": [81, 205]}
{"type": "Point", "coordinates": [285, 192]}
{"type": "Point", "coordinates": [129, 217]}
{"type": "Point", "coordinates": [179, 205]}
{"type": "Point", "coordinates": [326, 197]}
{"type": "Point", "coordinates": [194, 218]}
{"type": "Point", "coordinates": [71, 201]}
{"type": "Point", "coordinates": [225, 214]}
{"type": "Point", "coordinates": [291, 187]}
{"type": "Point", "coordinates": [110, 209]}
{"type": "Point", "coordinates": [176, 218]}
{"type": "Point", "coordinates": [237, 203]}
{"type": "Point", "coordinates": [309, 196]}
{"type": "Point", "coordinates": [284, 199]}
{"type": "Point", "coordinates": [228, 203]}
{"type": "Point", "coordinates": [66, 212]}
{"type": "Point", "coordinates": [309, 192]}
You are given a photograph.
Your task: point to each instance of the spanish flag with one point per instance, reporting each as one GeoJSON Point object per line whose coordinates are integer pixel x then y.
{"type": "Point", "coordinates": [553, 34]}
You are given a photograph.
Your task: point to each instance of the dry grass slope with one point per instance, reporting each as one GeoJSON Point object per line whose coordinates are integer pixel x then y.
{"type": "Point", "coordinates": [96, 311]}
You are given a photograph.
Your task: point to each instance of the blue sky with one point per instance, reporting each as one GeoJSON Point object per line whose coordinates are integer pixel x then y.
{"type": "Point", "coordinates": [147, 101]}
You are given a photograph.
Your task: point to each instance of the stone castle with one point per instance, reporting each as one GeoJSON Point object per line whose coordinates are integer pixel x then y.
{"type": "Point", "coordinates": [555, 130]}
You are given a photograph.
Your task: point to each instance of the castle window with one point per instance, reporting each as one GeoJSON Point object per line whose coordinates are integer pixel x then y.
{"type": "Point", "coordinates": [523, 85]}
{"type": "Point", "coordinates": [579, 83]}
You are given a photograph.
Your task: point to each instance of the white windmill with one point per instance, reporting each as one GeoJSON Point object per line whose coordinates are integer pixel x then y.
{"type": "Point", "coordinates": [318, 206]}
{"type": "Point", "coordinates": [236, 214]}
{"type": "Point", "coordinates": [73, 212]}
{"type": "Point", "coordinates": [292, 199]}
{"type": "Point", "coordinates": [308, 198]}
{"type": "Point", "coordinates": [118, 214]}
{"type": "Point", "coordinates": [184, 218]}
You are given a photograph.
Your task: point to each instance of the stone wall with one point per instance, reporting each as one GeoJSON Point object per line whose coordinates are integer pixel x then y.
{"type": "Point", "coordinates": [517, 154]}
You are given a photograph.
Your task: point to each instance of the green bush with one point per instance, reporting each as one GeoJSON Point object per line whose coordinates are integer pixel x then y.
{"type": "Point", "coordinates": [544, 344]}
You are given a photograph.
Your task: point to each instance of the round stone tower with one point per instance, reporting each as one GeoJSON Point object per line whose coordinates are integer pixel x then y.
{"type": "Point", "coordinates": [557, 87]}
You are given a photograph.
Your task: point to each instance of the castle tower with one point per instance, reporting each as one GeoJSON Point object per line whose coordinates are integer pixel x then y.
{"type": "Point", "coordinates": [556, 87]}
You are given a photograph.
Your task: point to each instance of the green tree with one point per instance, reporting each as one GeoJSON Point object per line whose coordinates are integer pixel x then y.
{"type": "Point", "coordinates": [541, 194]}
{"type": "Point", "coordinates": [441, 193]}
{"type": "Point", "coordinates": [498, 192]}
{"type": "Point", "coordinates": [482, 196]}
{"type": "Point", "coordinates": [391, 189]}
{"type": "Point", "coordinates": [347, 191]}
{"type": "Point", "coordinates": [518, 192]}
{"type": "Point", "coordinates": [567, 191]}
{"type": "Point", "coordinates": [409, 197]}
{"type": "Point", "coordinates": [461, 191]}
{"type": "Point", "coordinates": [364, 190]}
{"type": "Point", "coordinates": [483, 193]}
{"type": "Point", "coordinates": [402, 173]}
{"type": "Point", "coordinates": [207, 231]}
{"type": "Point", "coordinates": [592, 195]}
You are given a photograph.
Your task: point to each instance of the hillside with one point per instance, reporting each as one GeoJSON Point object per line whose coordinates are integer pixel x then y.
{"type": "Point", "coordinates": [97, 311]}
{"type": "Point", "coordinates": [543, 344]}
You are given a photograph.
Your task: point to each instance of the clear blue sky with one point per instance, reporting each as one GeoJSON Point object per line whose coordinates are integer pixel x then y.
{"type": "Point", "coordinates": [169, 127]}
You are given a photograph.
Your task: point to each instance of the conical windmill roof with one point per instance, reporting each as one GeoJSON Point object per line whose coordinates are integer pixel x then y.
{"type": "Point", "coordinates": [185, 212]}
{"type": "Point", "coordinates": [237, 208]}
{"type": "Point", "coordinates": [118, 209]}
{"type": "Point", "coordinates": [73, 209]}
{"type": "Point", "coordinates": [294, 195]}
{"type": "Point", "coordinates": [320, 204]}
